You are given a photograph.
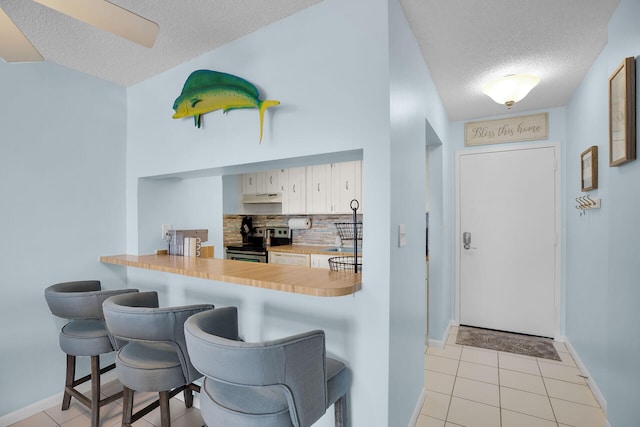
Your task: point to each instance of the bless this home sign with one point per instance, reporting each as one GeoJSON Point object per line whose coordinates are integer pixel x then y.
{"type": "Point", "coordinates": [512, 129]}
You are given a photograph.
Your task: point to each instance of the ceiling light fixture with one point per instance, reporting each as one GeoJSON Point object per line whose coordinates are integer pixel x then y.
{"type": "Point", "coordinates": [510, 89]}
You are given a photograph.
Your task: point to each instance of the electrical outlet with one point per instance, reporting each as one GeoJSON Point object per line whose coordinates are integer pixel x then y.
{"type": "Point", "coordinates": [165, 230]}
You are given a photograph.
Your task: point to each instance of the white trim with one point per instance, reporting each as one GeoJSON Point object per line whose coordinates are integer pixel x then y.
{"type": "Point", "coordinates": [49, 402]}
{"type": "Point", "coordinates": [416, 411]}
{"type": "Point", "coordinates": [55, 400]}
{"type": "Point", "coordinates": [441, 344]}
{"type": "Point", "coordinates": [558, 227]}
{"type": "Point", "coordinates": [30, 410]}
{"type": "Point", "coordinates": [590, 381]}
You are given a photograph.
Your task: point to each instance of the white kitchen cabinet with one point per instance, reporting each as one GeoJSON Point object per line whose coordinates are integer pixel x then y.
{"type": "Point", "coordinates": [320, 260]}
{"type": "Point", "coordinates": [250, 183]}
{"type": "Point", "coordinates": [294, 199]}
{"type": "Point", "coordinates": [268, 182]}
{"type": "Point", "coordinates": [286, 258]}
{"type": "Point", "coordinates": [319, 189]}
{"type": "Point", "coordinates": [347, 185]}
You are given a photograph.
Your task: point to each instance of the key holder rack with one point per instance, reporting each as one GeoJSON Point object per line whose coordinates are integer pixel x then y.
{"type": "Point", "coordinates": [585, 202]}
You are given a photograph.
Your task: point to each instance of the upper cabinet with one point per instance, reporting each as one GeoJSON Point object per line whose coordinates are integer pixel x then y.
{"type": "Point", "coordinates": [268, 182]}
{"type": "Point", "coordinates": [347, 185]}
{"type": "Point", "coordinates": [261, 182]}
{"type": "Point", "coordinates": [294, 198]}
{"type": "Point", "coordinates": [320, 189]}
{"type": "Point", "coordinates": [250, 183]}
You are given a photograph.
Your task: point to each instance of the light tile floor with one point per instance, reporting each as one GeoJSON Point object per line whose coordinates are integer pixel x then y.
{"type": "Point", "coordinates": [466, 387]}
{"type": "Point", "coordinates": [111, 415]}
{"type": "Point", "coordinates": [474, 387]}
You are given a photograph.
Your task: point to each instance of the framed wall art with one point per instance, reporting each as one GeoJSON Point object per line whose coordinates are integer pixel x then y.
{"type": "Point", "coordinates": [622, 113]}
{"type": "Point", "coordinates": [589, 169]}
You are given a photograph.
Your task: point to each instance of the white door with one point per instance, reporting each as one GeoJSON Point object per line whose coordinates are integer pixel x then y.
{"type": "Point", "coordinates": [508, 203]}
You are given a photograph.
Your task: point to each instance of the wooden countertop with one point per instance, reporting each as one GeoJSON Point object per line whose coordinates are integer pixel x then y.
{"type": "Point", "coordinates": [299, 280]}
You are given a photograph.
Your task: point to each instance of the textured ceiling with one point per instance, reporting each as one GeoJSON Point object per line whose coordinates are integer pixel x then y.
{"type": "Point", "coordinates": [464, 42]}
{"type": "Point", "coordinates": [188, 28]}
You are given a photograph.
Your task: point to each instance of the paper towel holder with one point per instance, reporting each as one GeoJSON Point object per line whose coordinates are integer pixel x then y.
{"type": "Point", "coordinates": [299, 223]}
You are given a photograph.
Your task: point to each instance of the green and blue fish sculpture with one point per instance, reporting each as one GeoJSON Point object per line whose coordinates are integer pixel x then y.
{"type": "Point", "coordinates": [206, 91]}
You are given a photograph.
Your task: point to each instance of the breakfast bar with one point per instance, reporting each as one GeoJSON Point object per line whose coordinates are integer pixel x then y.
{"type": "Point", "coordinates": [300, 280]}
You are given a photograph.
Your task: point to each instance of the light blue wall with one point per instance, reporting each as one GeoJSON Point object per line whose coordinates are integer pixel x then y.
{"type": "Point", "coordinates": [602, 247]}
{"type": "Point", "coordinates": [62, 183]}
{"type": "Point", "coordinates": [334, 87]}
{"type": "Point", "coordinates": [413, 99]}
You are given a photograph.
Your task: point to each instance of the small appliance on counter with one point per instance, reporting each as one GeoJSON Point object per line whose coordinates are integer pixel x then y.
{"type": "Point", "coordinates": [176, 239]}
{"type": "Point", "coordinates": [246, 229]}
{"type": "Point", "coordinates": [256, 243]}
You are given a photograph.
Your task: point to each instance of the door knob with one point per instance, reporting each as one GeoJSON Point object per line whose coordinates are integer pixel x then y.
{"type": "Point", "coordinates": [466, 240]}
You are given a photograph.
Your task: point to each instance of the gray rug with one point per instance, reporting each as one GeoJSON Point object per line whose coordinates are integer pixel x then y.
{"type": "Point", "coordinates": [508, 342]}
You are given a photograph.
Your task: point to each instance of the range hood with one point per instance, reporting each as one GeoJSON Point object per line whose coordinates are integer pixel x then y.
{"type": "Point", "coordinates": [262, 198]}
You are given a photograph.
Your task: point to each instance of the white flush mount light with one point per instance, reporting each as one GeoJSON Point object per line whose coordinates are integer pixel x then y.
{"type": "Point", "coordinates": [510, 89]}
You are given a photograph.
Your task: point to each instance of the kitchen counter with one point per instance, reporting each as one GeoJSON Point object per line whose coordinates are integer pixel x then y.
{"type": "Point", "coordinates": [299, 280]}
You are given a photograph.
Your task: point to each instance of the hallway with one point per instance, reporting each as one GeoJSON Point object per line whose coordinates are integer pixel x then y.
{"type": "Point", "coordinates": [473, 387]}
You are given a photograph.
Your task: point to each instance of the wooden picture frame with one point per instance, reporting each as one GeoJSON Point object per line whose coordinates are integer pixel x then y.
{"type": "Point", "coordinates": [622, 113]}
{"type": "Point", "coordinates": [589, 169]}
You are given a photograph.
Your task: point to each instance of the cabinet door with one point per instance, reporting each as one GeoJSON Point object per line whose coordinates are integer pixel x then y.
{"type": "Point", "coordinates": [347, 185]}
{"type": "Point", "coordinates": [319, 189]}
{"type": "Point", "coordinates": [285, 258]}
{"type": "Point", "coordinates": [294, 197]}
{"type": "Point", "coordinates": [320, 260]}
{"type": "Point", "coordinates": [268, 182]}
{"type": "Point", "coordinates": [249, 183]}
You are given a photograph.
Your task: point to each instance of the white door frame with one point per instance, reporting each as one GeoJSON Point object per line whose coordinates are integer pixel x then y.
{"type": "Point", "coordinates": [558, 247]}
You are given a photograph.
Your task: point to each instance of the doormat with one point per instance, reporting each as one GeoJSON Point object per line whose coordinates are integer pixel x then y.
{"type": "Point", "coordinates": [509, 342]}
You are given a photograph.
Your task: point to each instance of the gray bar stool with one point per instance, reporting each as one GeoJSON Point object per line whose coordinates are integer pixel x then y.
{"type": "Point", "coordinates": [155, 358]}
{"type": "Point", "coordinates": [84, 335]}
{"type": "Point", "coordinates": [287, 382]}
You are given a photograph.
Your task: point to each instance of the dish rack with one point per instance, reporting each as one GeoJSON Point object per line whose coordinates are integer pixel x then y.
{"type": "Point", "coordinates": [349, 231]}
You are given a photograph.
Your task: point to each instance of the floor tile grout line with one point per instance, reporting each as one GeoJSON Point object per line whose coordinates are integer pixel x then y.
{"type": "Point", "coordinates": [553, 411]}
{"type": "Point", "coordinates": [446, 418]}
{"type": "Point", "coordinates": [499, 387]}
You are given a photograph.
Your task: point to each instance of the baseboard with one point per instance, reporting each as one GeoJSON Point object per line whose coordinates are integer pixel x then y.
{"type": "Point", "coordinates": [49, 402]}
{"type": "Point", "coordinates": [416, 411]}
{"type": "Point", "coordinates": [590, 381]}
{"type": "Point", "coordinates": [441, 344]}
{"type": "Point", "coordinates": [55, 400]}
{"type": "Point", "coordinates": [30, 410]}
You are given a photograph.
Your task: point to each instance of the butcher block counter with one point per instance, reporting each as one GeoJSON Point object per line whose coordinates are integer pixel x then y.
{"type": "Point", "coordinates": [299, 280]}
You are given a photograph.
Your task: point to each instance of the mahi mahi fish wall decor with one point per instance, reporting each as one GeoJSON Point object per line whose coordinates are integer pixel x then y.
{"type": "Point", "coordinates": [205, 91]}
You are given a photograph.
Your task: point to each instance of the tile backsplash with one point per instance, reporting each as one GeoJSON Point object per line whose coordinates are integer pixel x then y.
{"type": "Point", "coordinates": [323, 230]}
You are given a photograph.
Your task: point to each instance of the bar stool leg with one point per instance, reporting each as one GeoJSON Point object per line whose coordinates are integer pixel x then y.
{"type": "Point", "coordinates": [95, 391]}
{"type": "Point", "coordinates": [68, 384]}
{"type": "Point", "coordinates": [127, 406]}
{"type": "Point", "coordinates": [165, 415]}
{"type": "Point", "coordinates": [340, 409]}
{"type": "Point", "coordinates": [188, 397]}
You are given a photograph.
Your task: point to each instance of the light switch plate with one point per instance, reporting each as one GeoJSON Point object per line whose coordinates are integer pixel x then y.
{"type": "Point", "coordinates": [402, 235]}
